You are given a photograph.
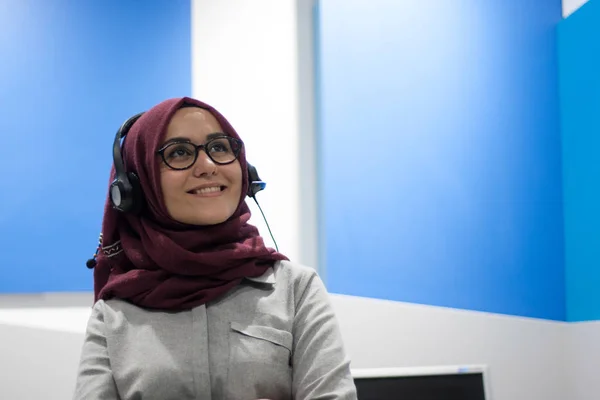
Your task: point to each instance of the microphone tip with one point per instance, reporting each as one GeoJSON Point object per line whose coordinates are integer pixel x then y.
{"type": "Point", "coordinates": [91, 263]}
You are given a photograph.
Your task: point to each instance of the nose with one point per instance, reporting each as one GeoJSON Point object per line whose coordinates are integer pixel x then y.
{"type": "Point", "coordinates": [204, 165]}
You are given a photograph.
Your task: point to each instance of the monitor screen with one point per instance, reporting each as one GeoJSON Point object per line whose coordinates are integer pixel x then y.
{"type": "Point", "coordinates": [447, 385]}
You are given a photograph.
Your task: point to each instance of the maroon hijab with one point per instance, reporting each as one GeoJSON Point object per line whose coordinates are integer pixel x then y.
{"type": "Point", "coordinates": [156, 262]}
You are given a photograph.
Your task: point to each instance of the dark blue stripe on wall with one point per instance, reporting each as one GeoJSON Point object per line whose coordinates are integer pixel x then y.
{"type": "Point", "coordinates": [440, 153]}
{"type": "Point", "coordinates": [579, 49]}
{"type": "Point", "coordinates": [71, 73]}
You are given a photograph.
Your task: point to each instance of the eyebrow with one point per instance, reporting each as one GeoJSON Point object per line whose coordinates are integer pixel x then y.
{"type": "Point", "coordinates": [209, 137]}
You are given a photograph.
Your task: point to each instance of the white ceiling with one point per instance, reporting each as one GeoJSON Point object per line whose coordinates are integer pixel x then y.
{"type": "Point", "coordinates": [569, 6]}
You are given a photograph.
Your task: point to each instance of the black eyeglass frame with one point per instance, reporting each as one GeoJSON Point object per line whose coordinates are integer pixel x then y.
{"type": "Point", "coordinates": [199, 147]}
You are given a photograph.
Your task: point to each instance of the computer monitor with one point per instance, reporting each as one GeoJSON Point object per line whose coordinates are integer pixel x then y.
{"type": "Point", "coordinates": [423, 383]}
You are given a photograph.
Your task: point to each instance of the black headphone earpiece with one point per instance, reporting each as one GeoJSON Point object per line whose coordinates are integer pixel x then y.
{"type": "Point", "coordinates": [255, 184]}
{"type": "Point", "coordinates": [126, 190]}
{"type": "Point", "coordinates": [126, 193]}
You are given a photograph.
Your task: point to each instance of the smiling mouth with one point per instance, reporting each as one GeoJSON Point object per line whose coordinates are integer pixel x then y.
{"type": "Point", "coordinates": [208, 191]}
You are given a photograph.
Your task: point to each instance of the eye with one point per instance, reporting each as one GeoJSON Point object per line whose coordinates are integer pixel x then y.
{"type": "Point", "coordinates": [179, 151]}
{"type": "Point", "coordinates": [219, 146]}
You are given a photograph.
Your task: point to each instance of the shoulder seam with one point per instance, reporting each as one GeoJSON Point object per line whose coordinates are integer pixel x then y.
{"type": "Point", "coordinates": [303, 295]}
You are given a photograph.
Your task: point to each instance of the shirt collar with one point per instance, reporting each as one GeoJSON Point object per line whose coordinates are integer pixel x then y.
{"type": "Point", "coordinates": [268, 277]}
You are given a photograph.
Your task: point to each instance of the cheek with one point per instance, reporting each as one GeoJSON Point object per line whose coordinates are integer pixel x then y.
{"type": "Point", "coordinates": [237, 179]}
{"type": "Point", "coordinates": [168, 184]}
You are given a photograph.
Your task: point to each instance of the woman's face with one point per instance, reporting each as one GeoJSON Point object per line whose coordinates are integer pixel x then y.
{"type": "Point", "coordinates": [206, 193]}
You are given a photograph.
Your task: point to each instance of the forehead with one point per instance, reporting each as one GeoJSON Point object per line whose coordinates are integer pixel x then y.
{"type": "Point", "coordinates": [192, 123]}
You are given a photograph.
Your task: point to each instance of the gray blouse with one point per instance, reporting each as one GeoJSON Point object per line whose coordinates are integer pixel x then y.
{"type": "Point", "coordinates": [273, 337]}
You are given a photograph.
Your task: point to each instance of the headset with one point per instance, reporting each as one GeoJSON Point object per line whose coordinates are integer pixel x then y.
{"type": "Point", "coordinates": [126, 191]}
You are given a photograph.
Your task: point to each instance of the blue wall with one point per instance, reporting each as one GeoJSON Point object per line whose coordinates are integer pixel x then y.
{"type": "Point", "coordinates": [440, 153]}
{"type": "Point", "coordinates": [579, 46]}
{"type": "Point", "coordinates": [71, 73]}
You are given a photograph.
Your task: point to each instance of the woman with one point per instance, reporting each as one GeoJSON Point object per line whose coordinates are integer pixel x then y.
{"type": "Point", "coordinates": [189, 303]}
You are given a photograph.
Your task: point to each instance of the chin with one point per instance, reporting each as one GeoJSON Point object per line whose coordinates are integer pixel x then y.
{"type": "Point", "coordinates": [207, 220]}
{"type": "Point", "coordinates": [192, 216]}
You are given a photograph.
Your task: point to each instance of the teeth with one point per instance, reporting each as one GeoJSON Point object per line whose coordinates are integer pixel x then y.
{"type": "Point", "coordinates": [207, 190]}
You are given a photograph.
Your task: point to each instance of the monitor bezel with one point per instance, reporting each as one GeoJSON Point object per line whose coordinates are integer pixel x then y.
{"type": "Point", "coordinates": [398, 372]}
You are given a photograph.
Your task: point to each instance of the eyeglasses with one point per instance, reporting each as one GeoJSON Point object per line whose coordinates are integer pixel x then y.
{"type": "Point", "coordinates": [221, 150]}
